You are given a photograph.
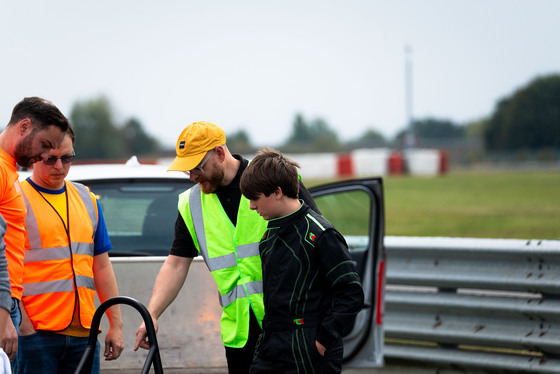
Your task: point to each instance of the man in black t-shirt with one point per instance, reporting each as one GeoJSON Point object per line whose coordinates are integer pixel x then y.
{"type": "Point", "coordinates": [202, 154]}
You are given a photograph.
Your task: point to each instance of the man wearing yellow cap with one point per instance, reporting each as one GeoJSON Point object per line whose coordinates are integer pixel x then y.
{"type": "Point", "coordinates": [216, 222]}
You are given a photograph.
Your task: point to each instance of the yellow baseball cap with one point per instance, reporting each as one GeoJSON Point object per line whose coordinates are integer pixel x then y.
{"type": "Point", "coordinates": [194, 142]}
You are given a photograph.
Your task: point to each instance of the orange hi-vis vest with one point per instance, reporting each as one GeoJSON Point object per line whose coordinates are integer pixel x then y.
{"type": "Point", "coordinates": [58, 264]}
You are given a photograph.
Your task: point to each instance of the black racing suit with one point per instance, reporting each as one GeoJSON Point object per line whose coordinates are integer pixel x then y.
{"type": "Point", "coordinates": [312, 292]}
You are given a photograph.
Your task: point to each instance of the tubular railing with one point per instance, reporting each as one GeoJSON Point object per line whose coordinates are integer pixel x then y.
{"type": "Point", "coordinates": [153, 356]}
{"type": "Point", "coordinates": [473, 304]}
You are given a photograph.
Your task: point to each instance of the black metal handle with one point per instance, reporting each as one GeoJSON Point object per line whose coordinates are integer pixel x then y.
{"type": "Point", "coordinates": [153, 354]}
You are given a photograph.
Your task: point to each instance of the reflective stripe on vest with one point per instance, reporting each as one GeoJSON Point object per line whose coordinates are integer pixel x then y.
{"type": "Point", "coordinates": [63, 285]}
{"type": "Point", "coordinates": [57, 253]}
{"type": "Point", "coordinates": [252, 288]}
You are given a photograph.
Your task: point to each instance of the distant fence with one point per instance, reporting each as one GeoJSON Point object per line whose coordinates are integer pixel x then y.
{"type": "Point", "coordinates": [473, 305]}
{"type": "Point", "coordinates": [371, 162]}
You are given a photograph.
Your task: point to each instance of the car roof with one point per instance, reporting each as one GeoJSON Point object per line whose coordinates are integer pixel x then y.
{"type": "Point", "coordinates": [131, 169]}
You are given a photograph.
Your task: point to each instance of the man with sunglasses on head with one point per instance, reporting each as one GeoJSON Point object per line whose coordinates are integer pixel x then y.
{"type": "Point", "coordinates": [36, 126]}
{"type": "Point", "coordinates": [216, 222]}
{"type": "Point", "coordinates": [66, 263]}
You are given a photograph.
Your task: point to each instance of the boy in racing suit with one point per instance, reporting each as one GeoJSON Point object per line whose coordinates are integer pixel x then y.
{"type": "Point", "coordinates": [311, 289]}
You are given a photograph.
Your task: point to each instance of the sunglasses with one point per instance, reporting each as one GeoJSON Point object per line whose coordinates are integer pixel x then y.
{"type": "Point", "coordinates": [200, 168]}
{"type": "Point", "coordinates": [66, 159]}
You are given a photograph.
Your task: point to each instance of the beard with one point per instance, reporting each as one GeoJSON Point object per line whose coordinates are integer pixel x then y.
{"type": "Point", "coordinates": [22, 152]}
{"type": "Point", "coordinates": [210, 184]}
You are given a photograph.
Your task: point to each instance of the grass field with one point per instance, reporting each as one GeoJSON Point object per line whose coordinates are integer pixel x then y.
{"type": "Point", "coordinates": [515, 205]}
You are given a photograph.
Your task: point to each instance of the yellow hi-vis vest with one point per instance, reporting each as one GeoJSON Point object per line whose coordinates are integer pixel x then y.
{"type": "Point", "coordinates": [232, 256]}
{"type": "Point", "coordinates": [56, 273]}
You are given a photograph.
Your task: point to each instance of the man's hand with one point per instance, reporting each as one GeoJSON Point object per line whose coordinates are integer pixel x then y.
{"type": "Point", "coordinates": [114, 344]}
{"type": "Point", "coordinates": [10, 340]}
{"type": "Point", "coordinates": [142, 336]}
{"type": "Point", "coordinates": [25, 327]}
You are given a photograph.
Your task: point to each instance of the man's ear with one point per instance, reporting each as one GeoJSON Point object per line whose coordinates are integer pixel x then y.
{"type": "Point", "coordinates": [278, 193]}
{"type": "Point", "coordinates": [24, 126]}
{"type": "Point", "coordinates": [219, 150]}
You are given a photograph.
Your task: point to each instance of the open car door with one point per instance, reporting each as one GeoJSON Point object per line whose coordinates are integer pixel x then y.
{"type": "Point", "coordinates": [356, 209]}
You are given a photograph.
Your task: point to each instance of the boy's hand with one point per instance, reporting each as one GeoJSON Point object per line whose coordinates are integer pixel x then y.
{"type": "Point", "coordinates": [320, 348]}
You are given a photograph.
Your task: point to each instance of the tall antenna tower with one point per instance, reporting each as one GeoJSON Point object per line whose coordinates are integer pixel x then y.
{"type": "Point", "coordinates": [409, 135]}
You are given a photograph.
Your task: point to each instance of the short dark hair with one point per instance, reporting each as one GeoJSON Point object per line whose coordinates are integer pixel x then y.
{"type": "Point", "coordinates": [71, 134]}
{"type": "Point", "coordinates": [41, 112]}
{"type": "Point", "coordinates": [269, 170]}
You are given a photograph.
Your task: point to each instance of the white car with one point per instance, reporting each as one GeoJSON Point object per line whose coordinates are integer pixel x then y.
{"type": "Point", "coordinates": [139, 203]}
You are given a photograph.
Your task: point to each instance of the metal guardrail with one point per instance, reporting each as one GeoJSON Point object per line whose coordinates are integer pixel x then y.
{"type": "Point", "coordinates": [473, 305]}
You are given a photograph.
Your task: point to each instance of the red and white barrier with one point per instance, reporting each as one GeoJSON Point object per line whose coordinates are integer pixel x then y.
{"type": "Point", "coordinates": [372, 162]}
{"type": "Point", "coordinates": [317, 165]}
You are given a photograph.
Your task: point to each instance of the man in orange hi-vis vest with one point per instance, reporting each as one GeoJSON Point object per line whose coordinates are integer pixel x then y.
{"type": "Point", "coordinates": [66, 263]}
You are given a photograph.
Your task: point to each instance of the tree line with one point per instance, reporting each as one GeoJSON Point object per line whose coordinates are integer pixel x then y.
{"type": "Point", "coordinates": [100, 137]}
{"type": "Point", "coordinates": [527, 119]}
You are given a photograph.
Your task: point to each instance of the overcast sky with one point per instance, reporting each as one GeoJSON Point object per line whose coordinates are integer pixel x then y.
{"type": "Point", "coordinates": [254, 64]}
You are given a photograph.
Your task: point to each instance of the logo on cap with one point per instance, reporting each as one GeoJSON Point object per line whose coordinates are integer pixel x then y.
{"type": "Point", "coordinates": [182, 144]}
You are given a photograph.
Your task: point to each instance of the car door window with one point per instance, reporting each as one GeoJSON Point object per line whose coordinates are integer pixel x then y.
{"type": "Point", "coordinates": [140, 215]}
{"type": "Point", "coordinates": [348, 211]}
